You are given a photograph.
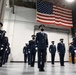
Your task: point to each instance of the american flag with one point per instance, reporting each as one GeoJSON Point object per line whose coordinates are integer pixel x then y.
{"type": "Point", "coordinates": [48, 13]}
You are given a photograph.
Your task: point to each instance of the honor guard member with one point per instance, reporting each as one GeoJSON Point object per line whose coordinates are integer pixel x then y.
{"type": "Point", "coordinates": [32, 50]}
{"type": "Point", "coordinates": [4, 46]}
{"type": "Point", "coordinates": [61, 50]}
{"type": "Point", "coordinates": [25, 51]}
{"type": "Point", "coordinates": [8, 49]}
{"type": "Point", "coordinates": [74, 40]}
{"type": "Point", "coordinates": [52, 50]}
{"type": "Point", "coordinates": [42, 44]}
{"type": "Point", "coordinates": [72, 51]}
{"type": "Point", "coordinates": [29, 55]}
{"type": "Point", "coordinates": [2, 35]}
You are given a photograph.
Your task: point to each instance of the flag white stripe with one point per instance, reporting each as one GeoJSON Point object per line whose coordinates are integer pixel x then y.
{"type": "Point", "coordinates": [45, 17]}
{"type": "Point", "coordinates": [45, 20]}
{"type": "Point", "coordinates": [45, 14]}
{"type": "Point", "coordinates": [64, 12]}
{"type": "Point", "coordinates": [63, 21]}
{"type": "Point", "coordinates": [53, 22]}
{"type": "Point", "coordinates": [57, 13]}
{"type": "Point", "coordinates": [64, 17]}
{"type": "Point", "coordinates": [63, 24]}
{"type": "Point", "coordinates": [51, 16]}
{"type": "Point", "coordinates": [61, 8]}
{"type": "Point", "coordinates": [53, 19]}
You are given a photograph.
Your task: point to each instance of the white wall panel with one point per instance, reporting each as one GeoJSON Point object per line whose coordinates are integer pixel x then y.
{"type": "Point", "coordinates": [22, 34]}
{"type": "Point", "coordinates": [25, 14]}
{"type": "Point", "coordinates": [7, 13]}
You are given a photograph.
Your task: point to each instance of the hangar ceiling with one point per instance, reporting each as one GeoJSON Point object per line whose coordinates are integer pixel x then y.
{"type": "Point", "coordinates": [32, 3]}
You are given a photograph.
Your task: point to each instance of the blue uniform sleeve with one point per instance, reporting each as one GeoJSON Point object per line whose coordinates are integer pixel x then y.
{"type": "Point", "coordinates": [58, 47]}
{"type": "Point", "coordinates": [37, 38]}
{"type": "Point", "coordinates": [70, 49]}
{"type": "Point", "coordinates": [55, 48]}
{"type": "Point", "coordinates": [50, 49]}
{"type": "Point", "coordinates": [23, 49]}
{"type": "Point", "coordinates": [64, 48]}
{"type": "Point", "coordinates": [46, 40]}
{"type": "Point", "coordinates": [28, 50]}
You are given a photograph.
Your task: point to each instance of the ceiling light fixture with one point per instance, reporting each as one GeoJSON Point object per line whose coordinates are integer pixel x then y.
{"type": "Point", "coordinates": [70, 1]}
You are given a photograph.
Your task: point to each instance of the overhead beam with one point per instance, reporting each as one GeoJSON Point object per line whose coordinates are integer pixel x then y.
{"type": "Point", "coordinates": [11, 3]}
{"type": "Point", "coordinates": [13, 6]}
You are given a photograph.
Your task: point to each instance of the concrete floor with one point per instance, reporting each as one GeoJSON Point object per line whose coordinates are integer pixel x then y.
{"type": "Point", "coordinates": [24, 69]}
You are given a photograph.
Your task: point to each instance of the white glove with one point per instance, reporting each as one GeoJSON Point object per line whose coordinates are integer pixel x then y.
{"type": "Point", "coordinates": [28, 51]}
{"type": "Point", "coordinates": [75, 51]}
{"type": "Point", "coordinates": [36, 48]}
{"type": "Point", "coordinates": [1, 48]}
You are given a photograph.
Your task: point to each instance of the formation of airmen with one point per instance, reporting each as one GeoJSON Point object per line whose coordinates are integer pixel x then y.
{"type": "Point", "coordinates": [72, 49]}
{"type": "Point", "coordinates": [39, 43]}
{"type": "Point", "coordinates": [4, 46]}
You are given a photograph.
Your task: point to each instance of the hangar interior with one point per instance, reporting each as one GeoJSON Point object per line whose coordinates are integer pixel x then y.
{"type": "Point", "coordinates": [19, 22]}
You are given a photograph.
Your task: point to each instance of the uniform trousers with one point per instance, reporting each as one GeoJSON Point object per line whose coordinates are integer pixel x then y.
{"type": "Point", "coordinates": [73, 55]}
{"type": "Point", "coordinates": [62, 58]}
{"type": "Point", "coordinates": [41, 58]}
{"type": "Point", "coordinates": [52, 57]}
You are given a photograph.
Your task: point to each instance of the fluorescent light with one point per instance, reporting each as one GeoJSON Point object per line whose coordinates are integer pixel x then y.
{"type": "Point", "coordinates": [70, 1]}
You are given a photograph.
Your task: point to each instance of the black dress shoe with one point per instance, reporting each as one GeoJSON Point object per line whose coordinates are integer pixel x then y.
{"type": "Point", "coordinates": [62, 65]}
{"type": "Point", "coordinates": [73, 63]}
{"type": "Point", "coordinates": [41, 70]}
{"type": "Point", "coordinates": [32, 65]}
{"type": "Point", "coordinates": [25, 62]}
{"type": "Point", "coordinates": [0, 65]}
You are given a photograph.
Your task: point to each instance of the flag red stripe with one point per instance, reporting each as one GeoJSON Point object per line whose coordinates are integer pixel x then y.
{"type": "Point", "coordinates": [62, 8]}
{"type": "Point", "coordinates": [53, 24]}
{"type": "Point", "coordinates": [45, 22]}
{"type": "Point", "coordinates": [59, 14]}
{"type": "Point", "coordinates": [63, 18]}
{"type": "Point", "coordinates": [63, 12]}
{"type": "Point", "coordinates": [57, 20]}
{"type": "Point", "coordinates": [63, 22]}
{"type": "Point", "coordinates": [45, 15]}
{"type": "Point", "coordinates": [46, 18]}
{"type": "Point", "coordinates": [53, 16]}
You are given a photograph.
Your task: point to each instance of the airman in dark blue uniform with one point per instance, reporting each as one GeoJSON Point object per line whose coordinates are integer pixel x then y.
{"type": "Point", "coordinates": [72, 51]}
{"type": "Point", "coordinates": [52, 50]}
{"type": "Point", "coordinates": [42, 44]}
{"type": "Point", "coordinates": [2, 35]}
{"type": "Point", "coordinates": [32, 46]}
{"type": "Point", "coordinates": [61, 50]}
{"type": "Point", "coordinates": [25, 51]}
{"type": "Point", "coordinates": [29, 55]}
{"type": "Point", "coordinates": [8, 50]}
{"type": "Point", "coordinates": [4, 46]}
{"type": "Point", "coordinates": [74, 40]}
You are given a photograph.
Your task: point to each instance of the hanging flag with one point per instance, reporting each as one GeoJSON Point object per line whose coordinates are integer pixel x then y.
{"type": "Point", "coordinates": [47, 13]}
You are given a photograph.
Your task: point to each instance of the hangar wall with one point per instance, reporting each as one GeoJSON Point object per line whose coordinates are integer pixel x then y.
{"type": "Point", "coordinates": [20, 27]}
